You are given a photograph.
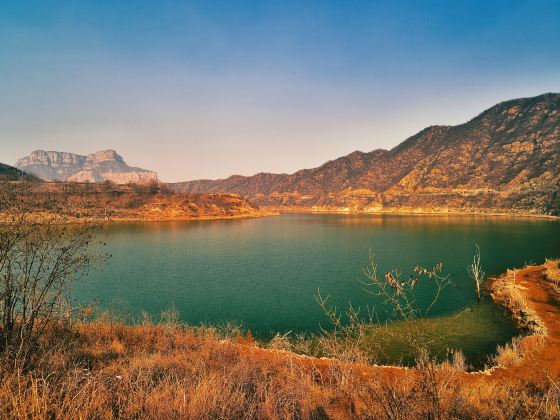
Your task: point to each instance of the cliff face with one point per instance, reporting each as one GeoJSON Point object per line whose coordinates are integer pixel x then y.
{"type": "Point", "coordinates": [101, 166]}
{"type": "Point", "coordinates": [506, 159]}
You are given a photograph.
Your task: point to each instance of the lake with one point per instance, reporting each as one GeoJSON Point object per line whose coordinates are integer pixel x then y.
{"type": "Point", "coordinates": [265, 273]}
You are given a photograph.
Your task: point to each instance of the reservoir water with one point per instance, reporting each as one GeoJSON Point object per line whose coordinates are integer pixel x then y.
{"type": "Point", "coordinates": [265, 273]}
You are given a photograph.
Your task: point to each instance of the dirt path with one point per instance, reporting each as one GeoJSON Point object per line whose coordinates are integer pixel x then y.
{"type": "Point", "coordinates": [543, 363]}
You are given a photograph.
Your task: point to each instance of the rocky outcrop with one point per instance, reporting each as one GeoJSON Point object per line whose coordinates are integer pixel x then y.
{"type": "Point", "coordinates": [106, 165]}
{"type": "Point", "coordinates": [507, 159]}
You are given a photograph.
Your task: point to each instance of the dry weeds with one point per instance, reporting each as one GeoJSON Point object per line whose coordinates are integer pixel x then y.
{"type": "Point", "coordinates": [111, 370]}
{"type": "Point", "coordinates": [512, 296]}
{"type": "Point", "coordinates": [552, 267]}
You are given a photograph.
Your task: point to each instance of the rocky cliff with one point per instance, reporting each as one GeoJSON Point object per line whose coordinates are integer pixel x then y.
{"type": "Point", "coordinates": [101, 166]}
{"type": "Point", "coordinates": [507, 159]}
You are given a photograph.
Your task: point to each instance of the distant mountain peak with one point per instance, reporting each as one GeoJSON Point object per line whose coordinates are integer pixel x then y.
{"type": "Point", "coordinates": [104, 165]}
{"type": "Point", "coordinates": [105, 155]}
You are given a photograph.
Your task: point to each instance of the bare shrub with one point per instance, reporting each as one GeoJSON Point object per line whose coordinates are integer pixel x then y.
{"type": "Point", "coordinates": [39, 259]}
{"type": "Point", "coordinates": [280, 342]}
{"type": "Point", "coordinates": [513, 353]}
{"type": "Point", "coordinates": [475, 271]}
{"type": "Point", "coordinates": [457, 362]}
{"type": "Point", "coordinates": [361, 338]}
{"type": "Point", "coordinates": [351, 339]}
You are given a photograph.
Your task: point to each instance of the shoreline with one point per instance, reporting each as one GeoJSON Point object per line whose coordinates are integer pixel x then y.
{"type": "Point", "coordinates": [71, 220]}
{"type": "Point", "coordinates": [531, 279]}
{"type": "Point", "coordinates": [397, 212]}
{"type": "Point", "coordinates": [180, 219]}
{"type": "Point", "coordinates": [271, 212]}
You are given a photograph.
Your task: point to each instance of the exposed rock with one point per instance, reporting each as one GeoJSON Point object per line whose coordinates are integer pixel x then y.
{"type": "Point", "coordinates": [106, 165]}
{"type": "Point", "coordinates": [507, 159]}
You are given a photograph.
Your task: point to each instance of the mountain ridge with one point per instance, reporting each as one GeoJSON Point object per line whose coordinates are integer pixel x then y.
{"type": "Point", "coordinates": [506, 158]}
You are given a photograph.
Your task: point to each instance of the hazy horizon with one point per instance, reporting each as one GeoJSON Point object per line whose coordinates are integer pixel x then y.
{"type": "Point", "coordinates": [197, 90]}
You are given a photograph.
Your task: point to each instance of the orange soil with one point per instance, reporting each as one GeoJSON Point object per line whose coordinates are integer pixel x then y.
{"type": "Point", "coordinates": [546, 360]}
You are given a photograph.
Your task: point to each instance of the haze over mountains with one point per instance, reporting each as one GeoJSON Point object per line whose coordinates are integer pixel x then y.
{"type": "Point", "coordinates": [505, 159]}
{"type": "Point", "coordinates": [9, 173]}
{"type": "Point", "coordinates": [101, 166]}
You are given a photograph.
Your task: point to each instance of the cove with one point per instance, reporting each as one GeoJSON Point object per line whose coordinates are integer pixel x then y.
{"type": "Point", "coordinates": [265, 273]}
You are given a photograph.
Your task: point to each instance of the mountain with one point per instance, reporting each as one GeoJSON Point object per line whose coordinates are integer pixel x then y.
{"type": "Point", "coordinates": [507, 159]}
{"type": "Point", "coordinates": [101, 166]}
{"type": "Point", "coordinates": [9, 173]}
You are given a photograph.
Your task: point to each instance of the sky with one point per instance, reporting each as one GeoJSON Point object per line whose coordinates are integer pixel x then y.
{"type": "Point", "coordinates": [207, 89]}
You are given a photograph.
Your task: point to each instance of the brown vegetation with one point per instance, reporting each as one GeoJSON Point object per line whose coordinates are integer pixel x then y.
{"type": "Point", "coordinates": [111, 202]}
{"type": "Point", "coordinates": [102, 368]}
{"type": "Point", "coordinates": [553, 273]}
{"type": "Point", "coordinates": [60, 363]}
{"type": "Point", "coordinates": [532, 300]}
{"type": "Point", "coordinates": [109, 370]}
{"type": "Point", "coordinates": [512, 295]}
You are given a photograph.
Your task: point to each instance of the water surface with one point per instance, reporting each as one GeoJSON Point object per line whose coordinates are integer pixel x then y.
{"type": "Point", "coordinates": [265, 273]}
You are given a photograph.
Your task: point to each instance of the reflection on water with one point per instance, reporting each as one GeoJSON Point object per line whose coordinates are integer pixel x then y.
{"type": "Point", "coordinates": [266, 272]}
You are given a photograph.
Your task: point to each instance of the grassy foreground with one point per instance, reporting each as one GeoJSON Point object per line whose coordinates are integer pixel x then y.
{"type": "Point", "coordinates": [106, 369]}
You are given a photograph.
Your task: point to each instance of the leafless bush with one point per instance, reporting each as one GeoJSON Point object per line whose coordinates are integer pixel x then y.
{"type": "Point", "coordinates": [351, 339]}
{"type": "Point", "coordinates": [475, 271]}
{"type": "Point", "coordinates": [39, 259]}
{"type": "Point", "coordinates": [519, 348]}
{"type": "Point", "coordinates": [356, 337]}
{"type": "Point", "coordinates": [400, 294]}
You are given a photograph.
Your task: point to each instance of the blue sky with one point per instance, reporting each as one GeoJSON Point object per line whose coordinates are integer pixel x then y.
{"type": "Point", "coordinates": [205, 89]}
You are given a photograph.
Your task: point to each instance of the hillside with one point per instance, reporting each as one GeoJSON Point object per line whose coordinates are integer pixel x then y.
{"type": "Point", "coordinates": [9, 173]}
{"type": "Point", "coordinates": [504, 160]}
{"type": "Point", "coordinates": [110, 202]}
{"type": "Point", "coordinates": [106, 165]}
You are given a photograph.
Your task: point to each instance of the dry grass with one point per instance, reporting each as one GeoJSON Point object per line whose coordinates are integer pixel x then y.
{"type": "Point", "coordinates": [110, 370]}
{"type": "Point", "coordinates": [511, 295]}
{"type": "Point", "coordinates": [507, 292]}
{"type": "Point", "coordinates": [156, 371]}
{"type": "Point", "coordinates": [79, 202]}
{"type": "Point", "coordinates": [513, 353]}
{"type": "Point", "coordinates": [553, 273]}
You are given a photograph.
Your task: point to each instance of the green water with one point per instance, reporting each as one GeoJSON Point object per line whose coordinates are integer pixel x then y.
{"type": "Point", "coordinates": [265, 273]}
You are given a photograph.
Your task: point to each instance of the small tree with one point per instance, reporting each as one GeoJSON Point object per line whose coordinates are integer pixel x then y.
{"type": "Point", "coordinates": [475, 270]}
